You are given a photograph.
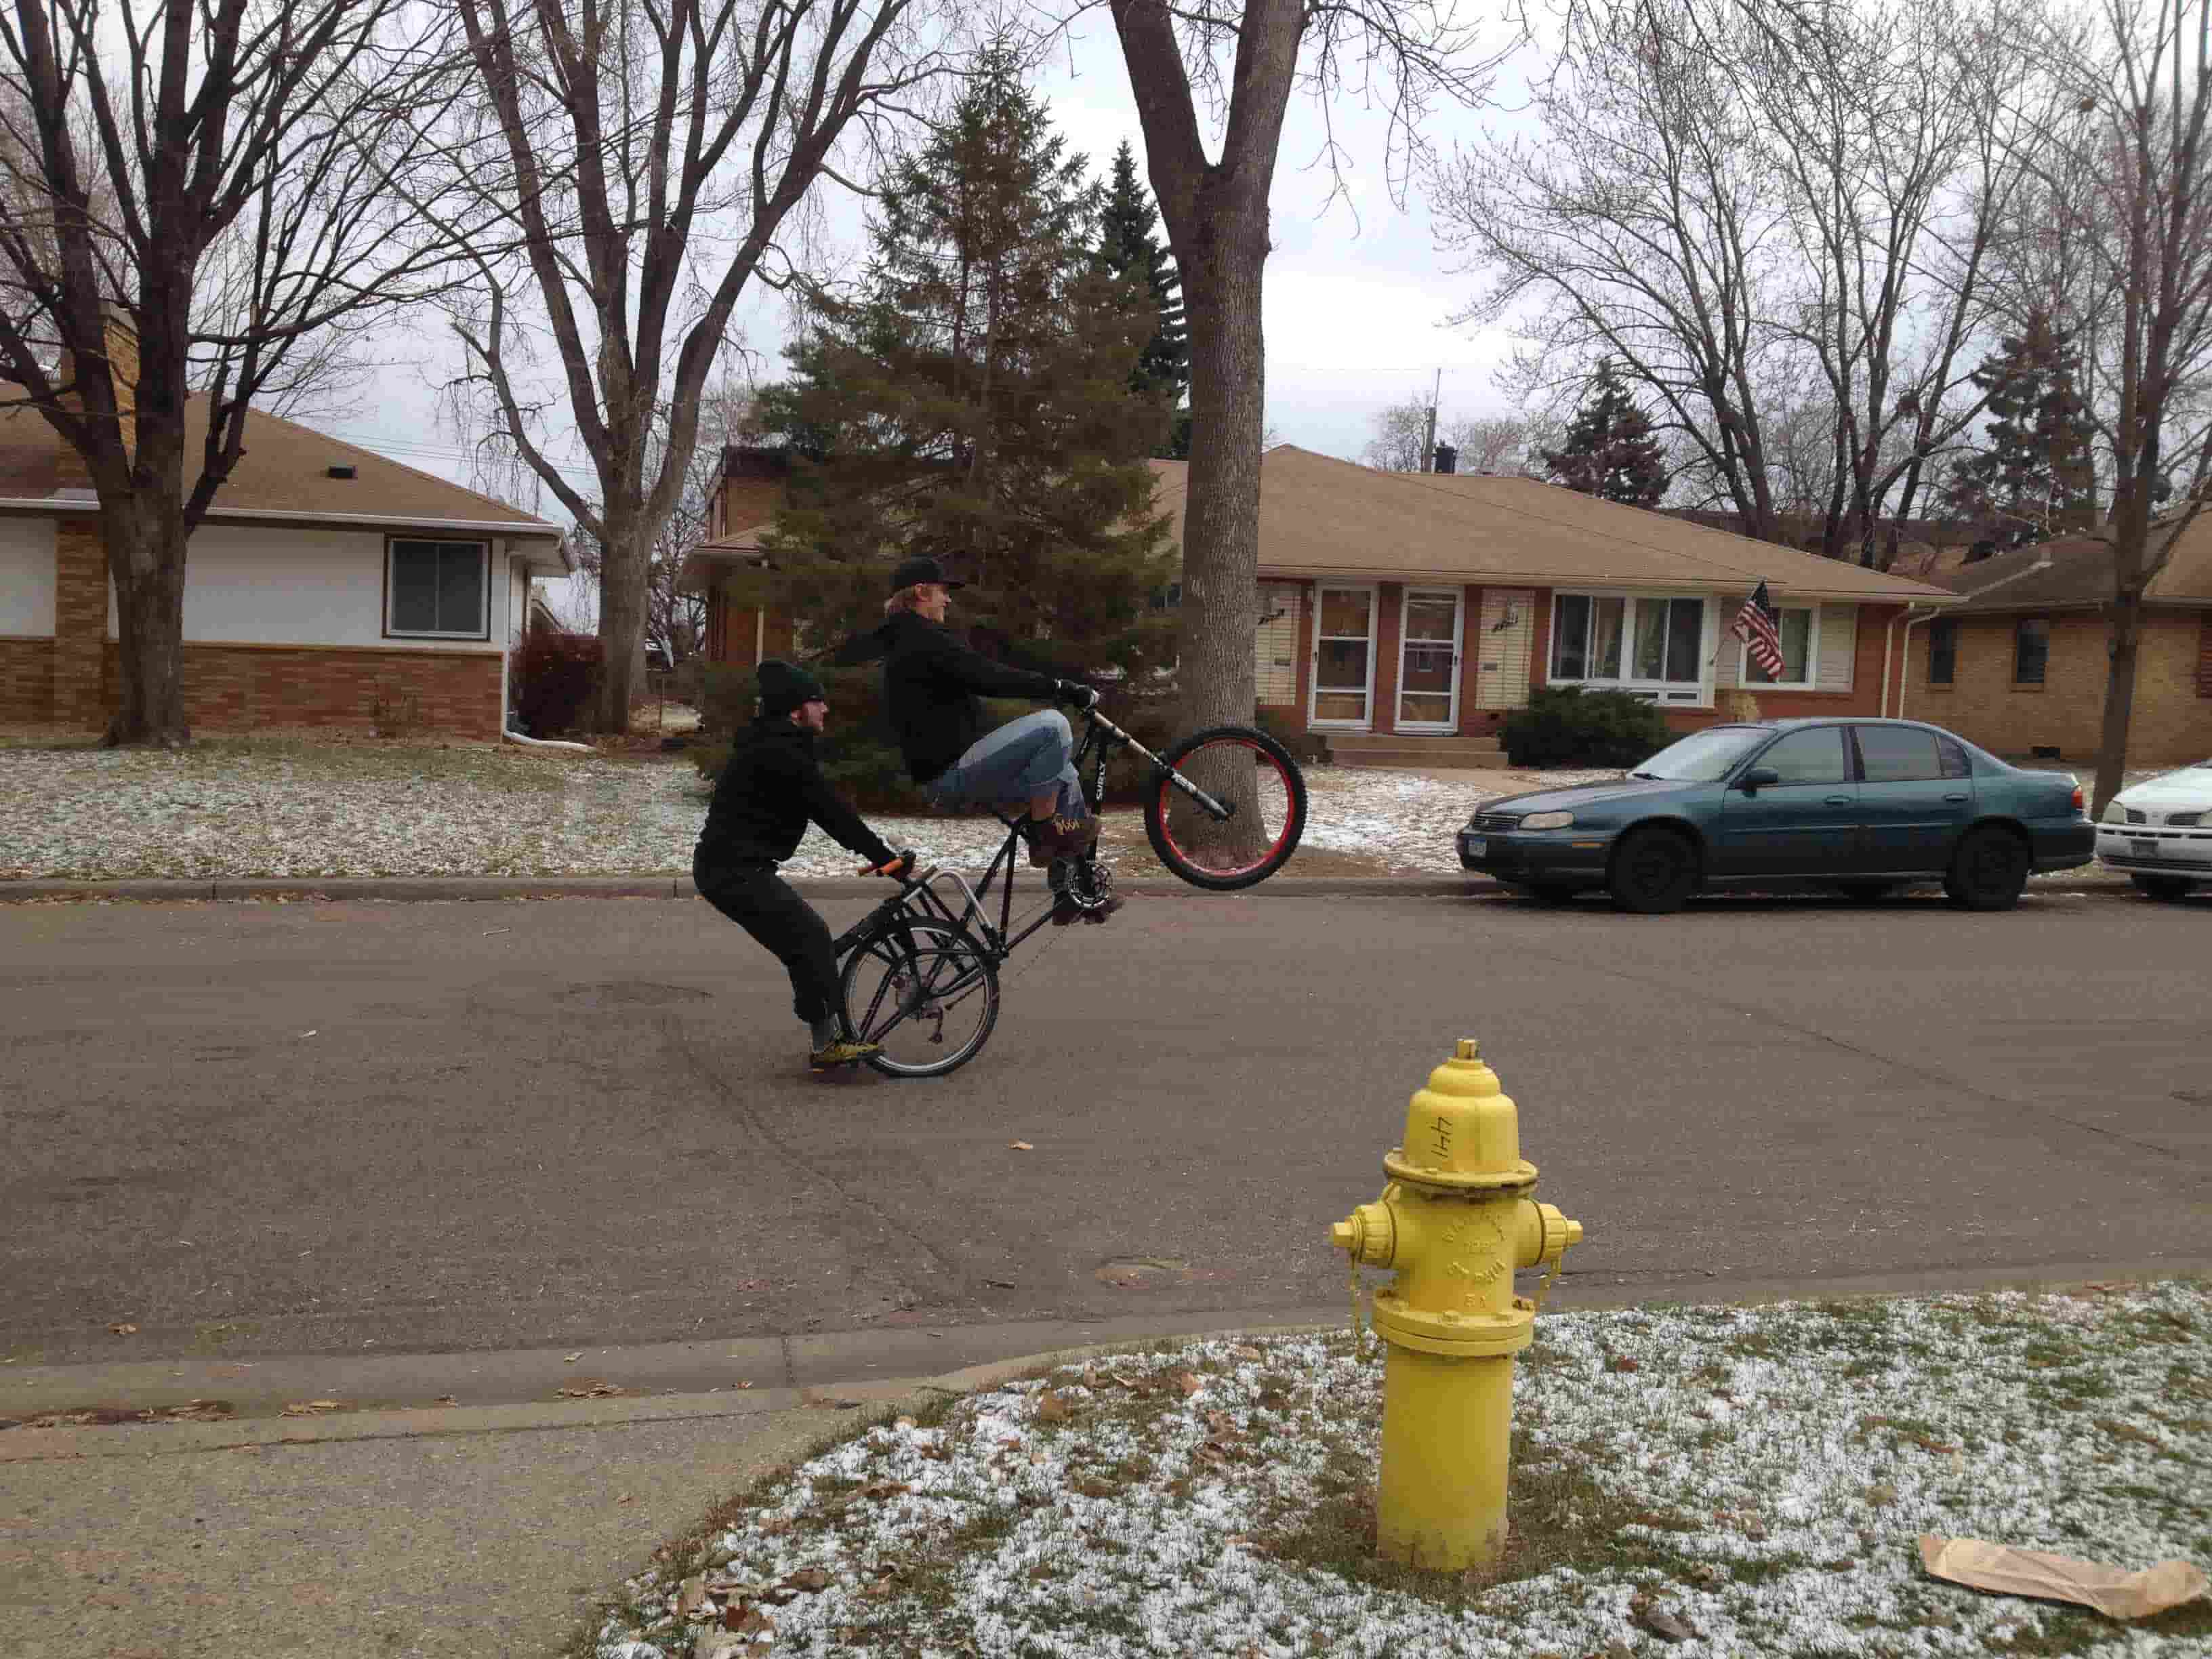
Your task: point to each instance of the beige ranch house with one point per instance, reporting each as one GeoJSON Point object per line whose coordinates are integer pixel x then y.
{"type": "Point", "coordinates": [1404, 615]}
{"type": "Point", "coordinates": [328, 586]}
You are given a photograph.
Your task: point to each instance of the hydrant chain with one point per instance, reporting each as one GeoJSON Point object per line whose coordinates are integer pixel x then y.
{"type": "Point", "coordinates": [1455, 1222]}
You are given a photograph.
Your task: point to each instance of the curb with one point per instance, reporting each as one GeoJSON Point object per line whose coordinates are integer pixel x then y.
{"type": "Point", "coordinates": [461, 888]}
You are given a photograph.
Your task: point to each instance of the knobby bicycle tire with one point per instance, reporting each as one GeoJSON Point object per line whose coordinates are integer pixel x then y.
{"type": "Point", "coordinates": [948, 975]}
{"type": "Point", "coordinates": [1280, 794]}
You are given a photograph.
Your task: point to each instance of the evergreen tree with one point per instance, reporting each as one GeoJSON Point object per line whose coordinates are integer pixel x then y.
{"type": "Point", "coordinates": [2033, 473]}
{"type": "Point", "coordinates": [1133, 252]}
{"type": "Point", "coordinates": [974, 399]}
{"type": "Point", "coordinates": [1609, 451]}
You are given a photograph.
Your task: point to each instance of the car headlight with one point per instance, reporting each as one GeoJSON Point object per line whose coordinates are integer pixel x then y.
{"type": "Point", "coordinates": [2115, 813]}
{"type": "Point", "coordinates": [1547, 820]}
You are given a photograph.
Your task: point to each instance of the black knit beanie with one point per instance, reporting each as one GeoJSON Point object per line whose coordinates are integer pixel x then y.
{"type": "Point", "coordinates": [784, 686]}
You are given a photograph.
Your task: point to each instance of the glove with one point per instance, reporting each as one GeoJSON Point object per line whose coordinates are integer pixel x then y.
{"type": "Point", "coordinates": [898, 869]}
{"type": "Point", "coordinates": [1075, 694]}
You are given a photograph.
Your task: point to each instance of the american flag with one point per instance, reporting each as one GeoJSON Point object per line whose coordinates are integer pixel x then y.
{"type": "Point", "coordinates": [1755, 625]}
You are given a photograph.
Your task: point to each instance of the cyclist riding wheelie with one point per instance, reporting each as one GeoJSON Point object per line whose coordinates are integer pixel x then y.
{"type": "Point", "coordinates": [932, 687]}
{"type": "Point", "coordinates": [771, 787]}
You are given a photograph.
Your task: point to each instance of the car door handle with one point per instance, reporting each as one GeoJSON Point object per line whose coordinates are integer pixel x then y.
{"type": "Point", "coordinates": [1837, 800]}
{"type": "Point", "coordinates": [1955, 800]}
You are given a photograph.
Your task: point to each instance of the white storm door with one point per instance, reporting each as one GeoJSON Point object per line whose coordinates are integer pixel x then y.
{"type": "Point", "coordinates": [1428, 659]}
{"type": "Point", "coordinates": [1344, 658]}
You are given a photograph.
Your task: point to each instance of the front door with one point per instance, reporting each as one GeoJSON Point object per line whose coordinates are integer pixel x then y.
{"type": "Point", "coordinates": [1428, 660]}
{"type": "Point", "coordinates": [1916, 799]}
{"type": "Point", "coordinates": [1805, 822]}
{"type": "Point", "coordinates": [1344, 658]}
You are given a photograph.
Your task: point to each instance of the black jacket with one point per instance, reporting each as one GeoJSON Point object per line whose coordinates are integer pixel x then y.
{"type": "Point", "coordinates": [932, 686]}
{"type": "Point", "coordinates": [771, 787]}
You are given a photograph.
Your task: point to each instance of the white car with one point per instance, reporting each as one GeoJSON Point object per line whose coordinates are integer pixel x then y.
{"type": "Point", "coordinates": [2160, 832]}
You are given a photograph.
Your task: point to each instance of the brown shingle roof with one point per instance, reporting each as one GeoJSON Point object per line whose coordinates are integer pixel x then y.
{"type": "Point", "coordinates": [1323, 517]}
{"type": "Point", "coordinates": [2075, 572]}
{"type": "Point", "coordinates": [284, 471]}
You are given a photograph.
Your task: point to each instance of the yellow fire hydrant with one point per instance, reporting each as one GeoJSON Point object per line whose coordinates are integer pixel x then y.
{"type": "Point", "coordinates": [1456, 1220]}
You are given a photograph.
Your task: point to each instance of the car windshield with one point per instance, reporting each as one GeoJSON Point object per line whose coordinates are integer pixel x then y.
{"type": "Point", "coordinates": [1704, 756]}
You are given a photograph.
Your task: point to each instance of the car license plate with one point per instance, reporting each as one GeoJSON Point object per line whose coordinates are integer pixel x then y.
{"type": "Point", "coordinates": [1474, 846]}
{"type": "Point", "coordinates": [2145, 849]}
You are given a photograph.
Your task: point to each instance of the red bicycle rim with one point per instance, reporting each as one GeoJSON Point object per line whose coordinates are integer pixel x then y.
{"type": "Point", "coordinates": [1282, 831]}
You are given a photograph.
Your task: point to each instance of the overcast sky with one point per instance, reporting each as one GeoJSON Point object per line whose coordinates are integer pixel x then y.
{"type": "Point", "coordinates": [1355, 296]}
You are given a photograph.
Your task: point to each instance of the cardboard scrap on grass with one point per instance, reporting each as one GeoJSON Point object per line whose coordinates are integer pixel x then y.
{"type": "Point", "coordinates": [2112, 1591]}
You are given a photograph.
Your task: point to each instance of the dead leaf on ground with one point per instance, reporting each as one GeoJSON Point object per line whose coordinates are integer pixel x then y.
{"type": "Point", "coordinates": [2113, 1591]}
{"type": "Point", "coordinates": [748, 1621]}
{"type": "Point", "coordinates": [1245, 1353]}
{"type": "Point", "coordinates": [1053, 1407]}
{"type": "Point", "coordinates": [1019, 1146]}
{"type": "Point", "coordinates": [1188, 1382]}
{"type": "Point", "coordinates": [592, 1390]}
{"type": "Point", "coordinates": [313, 1408]}
{"type": "Point", "coordinates": [1663, 1622]}
{"type": "Point", "coordinates": [810, 1579]}
{"type": "Point", "coordinates": [692, 1597]}
{"type": "Point", "coordinates": [627, 1497]}
{"type": "Point", "coordinates": [444, 1399]}
{"type": "Point", "coordinates": [122, 1330]}
{"type": "Point", "coordinates": [883, 1489]}
{"type": "Point", "coordinates": [571, 1358]}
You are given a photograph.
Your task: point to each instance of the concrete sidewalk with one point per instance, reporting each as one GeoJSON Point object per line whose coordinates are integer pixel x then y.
{"type": "Point", "coordinates": [415, 1531]}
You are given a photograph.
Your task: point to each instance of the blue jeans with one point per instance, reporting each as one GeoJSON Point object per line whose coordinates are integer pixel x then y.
{"type": "Point", "coordinates": [1005, 768]}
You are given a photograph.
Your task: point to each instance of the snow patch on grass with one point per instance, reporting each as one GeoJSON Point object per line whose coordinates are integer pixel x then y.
{"type": "Point", "coordinates": [1758, 1475]}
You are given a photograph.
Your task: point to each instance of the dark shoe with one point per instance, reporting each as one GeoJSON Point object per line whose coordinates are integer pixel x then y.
{"type": "Point", "coordinates": [844, 1052]}
{"type": "Point", "coordinates": [1043, 847]}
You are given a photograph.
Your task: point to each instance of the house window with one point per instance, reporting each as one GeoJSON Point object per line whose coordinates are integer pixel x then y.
{"type": "Point", "coordinates": [1799, 629]}
{"type": "Point", "coordinates": [2031, 650]}
{"type": "Point", "coordinates": [438, 590]}
{"type": "Point", "coordinates": [1942, 650]}
{"type": "Point", "coordinates": [1629, 643]}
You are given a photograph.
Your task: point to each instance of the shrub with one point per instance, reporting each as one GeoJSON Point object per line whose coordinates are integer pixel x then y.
{"type": "Point", "coordinates": [1566, 726]}
{"type": "Point", "coordinates": [555, 675]}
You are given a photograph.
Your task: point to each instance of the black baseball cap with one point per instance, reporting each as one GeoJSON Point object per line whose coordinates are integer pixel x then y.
{"type": "Point", "coordinates": [917, 571]}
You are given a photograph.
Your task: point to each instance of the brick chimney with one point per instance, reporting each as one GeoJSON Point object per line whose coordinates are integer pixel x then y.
{"type": "Point", "coordinates": [80, 672]}
{"type": "Point", "coordinates": [1447, 457]}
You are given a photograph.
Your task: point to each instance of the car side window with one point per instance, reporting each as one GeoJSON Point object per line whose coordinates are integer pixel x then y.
{"type": "Point", "coordinates": [1813, 755]}
{"type": "Point", "coordinates": [1955, 763]}
{"type": "Point", "coordinates": [1898, 754]}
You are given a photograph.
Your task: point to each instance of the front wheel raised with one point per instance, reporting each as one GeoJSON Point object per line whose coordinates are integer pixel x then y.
{"type": "Point", "coordinates": [927, 993]}
{"type": "Point", "coordinates": [1245, 771]}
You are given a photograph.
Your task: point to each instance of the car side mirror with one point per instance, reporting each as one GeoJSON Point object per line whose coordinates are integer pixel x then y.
{"type": "Point", "coordinates": [1758, 778]}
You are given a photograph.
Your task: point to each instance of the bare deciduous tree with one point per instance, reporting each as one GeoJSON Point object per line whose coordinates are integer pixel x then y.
{"type": "Point", "coordinates": [218, 178]}
{"type": "Point", "coordinates": [1240, 60]}
{"type": "Point", "coordinates": [2128, 178]}
{"type": "Point", "coordinates": [650, 155]}
{"type": "Point", "coordinates": [1491, 443]}
{"type": "Point", "coordinates": [1400, 443]}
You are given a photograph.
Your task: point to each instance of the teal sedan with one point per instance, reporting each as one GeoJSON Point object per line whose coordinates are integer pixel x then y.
{"type": "Point", "coordinates": [1858, 806]}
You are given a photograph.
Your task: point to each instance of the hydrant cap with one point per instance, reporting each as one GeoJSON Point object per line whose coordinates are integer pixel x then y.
{"type": "Point", "coordinates": [1461, 1129]}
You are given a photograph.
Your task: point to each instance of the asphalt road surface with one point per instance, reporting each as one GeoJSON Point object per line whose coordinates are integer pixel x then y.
{"type": "Point", "coordinates": [315, 1128]}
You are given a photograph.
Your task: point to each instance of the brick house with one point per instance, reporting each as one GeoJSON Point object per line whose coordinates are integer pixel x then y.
{"type": "Point", "coordinates": [2019, 664]}
{"type": "Point", "coordinates": [1403, 615]}
{"type": "Point", "coordinates": [328, 586]}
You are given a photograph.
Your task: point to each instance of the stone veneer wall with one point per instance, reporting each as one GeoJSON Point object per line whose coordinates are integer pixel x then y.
{"type": "Point", "coordinates": [2172, 717]}
{"type": "Point", "coordinates": [27, 680]}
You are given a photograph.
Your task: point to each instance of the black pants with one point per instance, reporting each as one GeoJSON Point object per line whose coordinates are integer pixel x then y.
{"type": "Point", "coordinates": [766, 906]}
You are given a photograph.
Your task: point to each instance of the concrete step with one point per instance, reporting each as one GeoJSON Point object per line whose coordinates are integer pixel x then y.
{"type": "Point", "coordinates": [1488, 760]}
{"type": "Point", "coordinates": [1402, 750]}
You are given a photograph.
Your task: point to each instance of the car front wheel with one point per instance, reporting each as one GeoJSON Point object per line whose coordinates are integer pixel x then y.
{"type": "Point", "coordinates": [2166, 889]}
{"type": "Point", "coordinates": [1654, 872]}
{"type": "Point", "coordinates": [1988, 871]}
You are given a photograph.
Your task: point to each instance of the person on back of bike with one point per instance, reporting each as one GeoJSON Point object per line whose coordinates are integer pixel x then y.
{"type": "Point", "coordinates": [772, 785]}
{"type": "Point", "coordinates": [933, 690]}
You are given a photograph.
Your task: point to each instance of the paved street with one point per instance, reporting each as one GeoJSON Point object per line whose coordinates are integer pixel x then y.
{"type": "Point", "coordinates": [259, 1129]}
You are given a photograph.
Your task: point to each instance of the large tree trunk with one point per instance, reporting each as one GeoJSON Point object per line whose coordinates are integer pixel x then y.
{"type": "Point", "coordinates": [146, 556]}
{"type": "Point", "coordinates": [2123, 646]}
{"type": "Point", "coordinates": [625, 572]}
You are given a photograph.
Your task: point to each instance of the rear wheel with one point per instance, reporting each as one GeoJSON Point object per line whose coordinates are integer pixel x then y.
{"type": "Point", "coordinates": [1247, 771]}
{"type": "Point", "coordinates": [925, 991]}
{"type": "Point", "coordinates": [1653, 872]}
{"type": "Point", "coordinates": [1988, 871]}
{"type": "Point", "coordinates": [2165, 889]}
